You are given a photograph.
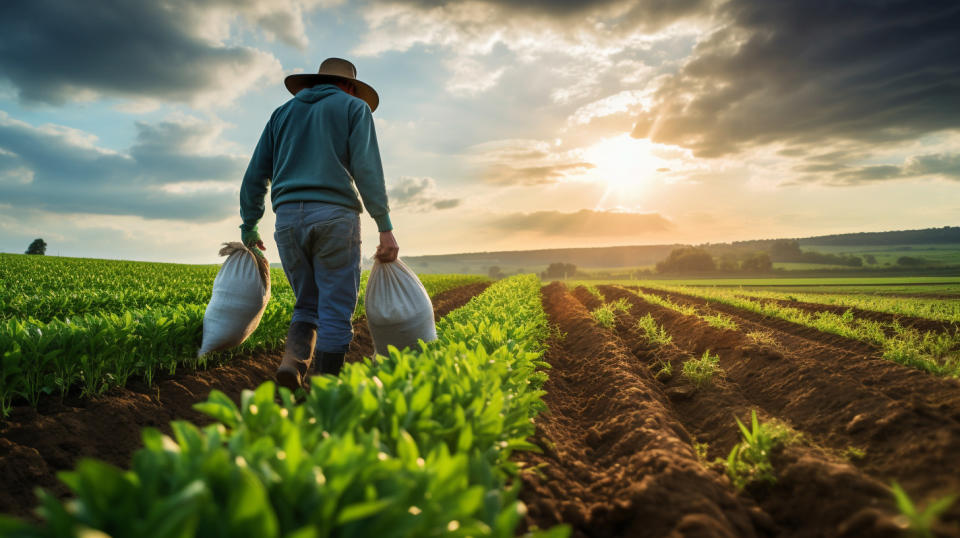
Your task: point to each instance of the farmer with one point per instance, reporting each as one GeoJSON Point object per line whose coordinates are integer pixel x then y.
{"type": "Point", "coordinates": [318, 150]}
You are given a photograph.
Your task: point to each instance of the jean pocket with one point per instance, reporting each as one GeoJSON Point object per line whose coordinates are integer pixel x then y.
{"type": "Point", "coordinates": [332, 243]}
{"type": "Point", "coordinates": [288, 249]}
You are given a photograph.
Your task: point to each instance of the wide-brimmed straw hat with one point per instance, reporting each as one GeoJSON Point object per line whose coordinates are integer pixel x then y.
{"type": "Point", "coordinates": [334, 70]}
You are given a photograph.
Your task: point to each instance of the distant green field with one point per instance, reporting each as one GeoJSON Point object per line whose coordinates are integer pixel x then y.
{"type": "Point", "coordinates": [944, 254]}
{"type": "Point", "coordinates": [919, 285]}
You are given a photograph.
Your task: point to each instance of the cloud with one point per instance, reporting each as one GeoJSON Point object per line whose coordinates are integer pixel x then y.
{"type": "Point", "coordinates": [941, 165]}
{"type": "Point", "coordinates": [171, 172]}
{"type": "Point", "coordinates": [55, 52]}
{"type": "Point", "coordinates": [583, 223]}
{"type": "Point", "coordinates": [569, 48]}
{"type": "Point", "coordinates": [525, 162]}
{"type": "Point", "coordinates": [418, 194]}
{"type": "Point", "coordinates": [812, 73]}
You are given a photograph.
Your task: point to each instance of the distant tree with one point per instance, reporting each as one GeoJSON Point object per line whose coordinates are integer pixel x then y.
{"type": "Point", "coordinates": [758, 262]}
{"type": "Point", "coordinates": [495, 273]}
{"type": "Point", "coordinates": [39, 246]}
{"type": "Point", "coordinates": [559, 270]}
{"type": "Point", "coordinates": [687, 260]}
{"type": "Point", "coordinates": [785, 250]}
{"type": "Point", "coordinates": [909, 261]}
{"type": "Point", "coordinates": [728, 263]}
{"type": "Point", "coordinates": [870, 259]}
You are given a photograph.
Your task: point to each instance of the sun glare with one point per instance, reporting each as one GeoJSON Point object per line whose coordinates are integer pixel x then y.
{"type": "Point", "coordinates": [623, 163]}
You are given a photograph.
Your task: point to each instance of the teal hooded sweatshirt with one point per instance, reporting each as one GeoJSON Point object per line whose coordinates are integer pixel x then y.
{"type": "Point", "coordinates": [320, 146]}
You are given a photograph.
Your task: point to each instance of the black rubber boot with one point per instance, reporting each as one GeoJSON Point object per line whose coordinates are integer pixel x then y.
{"type": "Point", "coordinates": [296, 354]}
{"type": "Point", "coordinates": [327, 363]}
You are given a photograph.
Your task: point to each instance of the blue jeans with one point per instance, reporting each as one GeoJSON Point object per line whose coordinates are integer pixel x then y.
{"type": "Point", "coordinates": [319, 247]}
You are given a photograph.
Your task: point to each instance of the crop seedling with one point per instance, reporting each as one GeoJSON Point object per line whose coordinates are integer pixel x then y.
{"type": "Point", "coordinates": [595, 292]}
{"type": "Point", "coordinates": [763, 338]}
{"type": "Point", "coordinates": [654, 333]}
{"type": "Point", "coordinates": [665, 370]}
{"type": "Point", "coordinates": [853, 453]}
{"type": "Point", "coordinates": [701, 450]}
{"type": "Point", "coordinates": [606, 315]}
{"type": "Point", "coordinates": [917, 522]}
{"type": "Point", "coordinates": [702, 370]}
{"type": "Point", "coordinates": [749, 460]}
{"type": "Point", "coordinates": [719, 321]}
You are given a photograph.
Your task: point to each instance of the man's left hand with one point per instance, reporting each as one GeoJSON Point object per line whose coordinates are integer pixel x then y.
{"type": "Point", "coordinates": [251, 238]}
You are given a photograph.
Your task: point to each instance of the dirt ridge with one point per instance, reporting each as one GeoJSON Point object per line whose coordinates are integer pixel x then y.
{"type": "Point", "coordinates": [616, 462]}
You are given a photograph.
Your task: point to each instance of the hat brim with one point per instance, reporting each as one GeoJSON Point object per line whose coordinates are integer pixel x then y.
{"type": "Point", "coordinates": [295, 83]}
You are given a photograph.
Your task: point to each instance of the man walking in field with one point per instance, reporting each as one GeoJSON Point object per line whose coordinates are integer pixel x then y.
{"type": "Point", "coordinates": [319, 153]}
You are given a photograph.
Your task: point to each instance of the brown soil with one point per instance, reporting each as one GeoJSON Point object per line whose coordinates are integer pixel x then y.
{"type": "Point", "coordinates": [796, 502]}
{"type": "Point", "coordinates": [616, 462]}
{"type": "Point", "coordinates": [906, 421]}
{"type": "Point", "coordinates": [37, 443]}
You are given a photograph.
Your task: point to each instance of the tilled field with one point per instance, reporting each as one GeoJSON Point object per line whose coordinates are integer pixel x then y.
{"type": "Point", "coordinates": [619, 456]}
{"type": "Point", "coordinates": [36, 443]}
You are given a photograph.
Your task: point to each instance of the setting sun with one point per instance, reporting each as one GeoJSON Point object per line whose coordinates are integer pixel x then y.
{"type": "Point", "coordinates": [623, 163]}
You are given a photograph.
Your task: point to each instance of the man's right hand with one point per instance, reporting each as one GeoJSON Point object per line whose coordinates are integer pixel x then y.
{"type": "Point", "coordinates": [388, 249]}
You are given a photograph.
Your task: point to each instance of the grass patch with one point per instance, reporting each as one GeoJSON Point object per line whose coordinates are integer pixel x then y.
{"type": "Point", "coordinates": [919, 522]}
{"type": "Point", "coordinates": [763, 338]}
{"type": "Point", "coordinates": [595, 292]}
{"type": "Point", "coordinates": [701, 371]}
{"type": "Point", "coordinates": [653, 332]}
{"type": "Point", "coordinates": [721, 322]}
{"type": "Point", "coordinates": [853, 453]}
{"type": "Point", "coordinates": [665, 369]}
{"type": "Point", "coordinates": [606, 315]}
{"type": "Point", "coordinates": [749, 460]}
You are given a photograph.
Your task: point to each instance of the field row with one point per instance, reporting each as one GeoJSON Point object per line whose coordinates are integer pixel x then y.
{"type": "Point", "coordinates": [97, 351]}
{"type": "Point", "coordinates": [937, 352]}
{"type": "Point", "coordinates": [819, 435]}
{"type": "Point", "coordinates": [414, 444]}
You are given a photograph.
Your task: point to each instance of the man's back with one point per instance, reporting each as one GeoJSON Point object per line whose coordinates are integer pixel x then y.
{"type": "Point", "coordinates": [314, 148]}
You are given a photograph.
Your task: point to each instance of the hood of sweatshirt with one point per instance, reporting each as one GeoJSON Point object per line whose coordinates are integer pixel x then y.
{"type": "Point", "coordinates": [316, 93]}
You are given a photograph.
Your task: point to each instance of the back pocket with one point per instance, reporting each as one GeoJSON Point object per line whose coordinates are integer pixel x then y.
{"type": "Point", "coordinates": [288, 249]}
{"type": "Point", "coordinates": [332, 242]}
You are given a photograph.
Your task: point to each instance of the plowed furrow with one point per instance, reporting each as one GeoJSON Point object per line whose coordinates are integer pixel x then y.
{"type": "Point", "coordinates": [863, 363]}
{"type": "Point", "coordinates": [903, 439]}
{"type": "Point", "coordinates": [616, 461]}
{"type": "Point", "coordinates": [857, 503]}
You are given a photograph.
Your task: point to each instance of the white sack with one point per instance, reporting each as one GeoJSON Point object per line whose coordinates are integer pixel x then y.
{"type": "Point", "coordinates": [399, 311]}
{"type": "Point", "coordinates": [240, 295]}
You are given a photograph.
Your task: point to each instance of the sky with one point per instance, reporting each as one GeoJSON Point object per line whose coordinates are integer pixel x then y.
{"type": "Point", "coordinates": [125, 127]}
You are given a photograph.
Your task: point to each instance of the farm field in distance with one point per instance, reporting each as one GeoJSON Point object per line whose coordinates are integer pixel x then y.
{"type": "Point", "coordinates": [742, 407]}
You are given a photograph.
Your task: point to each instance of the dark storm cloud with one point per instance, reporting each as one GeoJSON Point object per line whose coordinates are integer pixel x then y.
{"type": "Point", "coordinates": [60, 170]}
{"type": "Point", "coordinates": [583, 223]}
{"type": "Point", "coordinates": [55, 51]}
{"type": "Point", "coordinates": [808, 73]}
{"type": "Point", "coordinates": [646, 14]}
{"type": "Point", "coordinates": [941, 165]}
{"type": "Point", "coordinates": [418, 194]}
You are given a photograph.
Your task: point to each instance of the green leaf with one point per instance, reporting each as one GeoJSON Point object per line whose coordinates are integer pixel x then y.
{"type": "Point", "coordinates": [362, 510]}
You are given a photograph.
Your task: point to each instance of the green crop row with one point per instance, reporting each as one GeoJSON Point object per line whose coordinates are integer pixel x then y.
{"type": "Point", "coordinates": [98, 351]}
{"type": "Point", "coordinates": [414, 444]}
{"type": "Point", "coordinates": [934, 352]}
{"type": "Point", "coordinates": [48, 288]}
{"type": "Point", "coordinates": [936, 309]}
{"type": "Point", "coordinates": [718, 321]}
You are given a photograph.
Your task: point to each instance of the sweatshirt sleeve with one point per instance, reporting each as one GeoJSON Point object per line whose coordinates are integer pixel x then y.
{"type": "Point", "coordinates": [256, 179]}
{"type": "Point", "coordinates": [366, 168]}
